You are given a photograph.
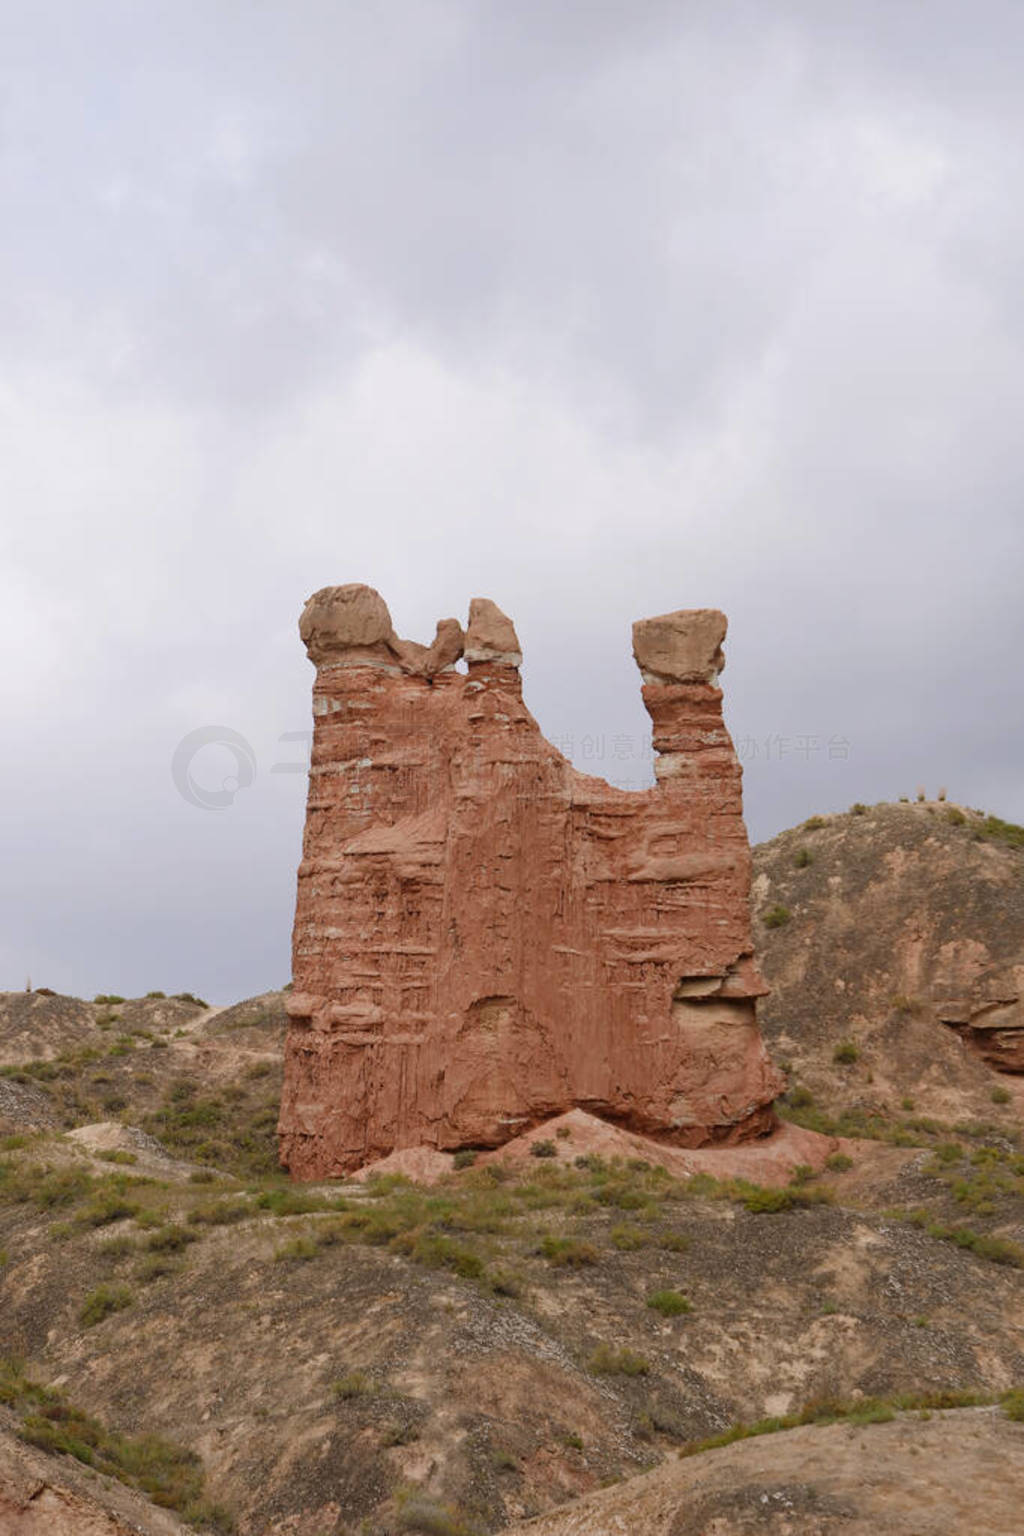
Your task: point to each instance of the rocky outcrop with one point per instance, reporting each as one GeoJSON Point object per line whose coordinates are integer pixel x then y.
{"type": "Point", "coordinates": [484, 937]}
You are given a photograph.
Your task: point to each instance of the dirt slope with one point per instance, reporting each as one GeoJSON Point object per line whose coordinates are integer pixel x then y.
{"type": "Point", "coordinates": [899, 931]}
{"type": "Point", "coordinates": [953, 1473]}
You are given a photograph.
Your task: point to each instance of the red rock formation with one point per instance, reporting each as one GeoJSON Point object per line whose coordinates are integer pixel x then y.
{"type": "Point", "coordinates": [485, 937]}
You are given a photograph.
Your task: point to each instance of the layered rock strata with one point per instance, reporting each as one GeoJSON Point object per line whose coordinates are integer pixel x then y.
{"type": "Point", "coordinates": [485, 937]}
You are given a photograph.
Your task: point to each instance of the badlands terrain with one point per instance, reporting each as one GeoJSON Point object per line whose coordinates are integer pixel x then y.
{"type": "Point", "coordinates": [582, 1333]}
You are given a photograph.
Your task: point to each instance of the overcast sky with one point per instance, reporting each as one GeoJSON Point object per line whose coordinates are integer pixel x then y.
{"type": "Point", "coordinates": [599, 308]}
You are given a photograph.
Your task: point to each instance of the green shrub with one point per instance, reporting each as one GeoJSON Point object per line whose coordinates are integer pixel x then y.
{"type": "Point", "coordinates": [156, 994]}
{"type": "Point", "coordinates": [803, 858]}
{"type": "Point", "coordinates": [838, 1162]}
{"type": "Point", "coordinates": [606, 1361]}
{"type": "Point", "coordinates": [189, 997]}
{"type": "Point", "coordinates": [814, 823]}
{"type": "Point", "coordinates": [102, 1302]}
{"type": "Point", "coordinates": [170, 1239]}
{"type": "Point", "coordinates": [800, 1098]}
{"type": "Point", "coordinates": [777, 916]}
{"type": "Point", "coordinates": [845, 1053]}
{"type": "Point", "coordinates": [464, 1158]}
{"type": "Point", "coordinates": [669, 1303]}
{"type": "Point", "coordinates": [110, 998]}
{"type": "Point", "coordinates": [858, 809]}
{"type": "Point", "coordinates": [567, 1252]}
{"type": "Point", "coordinates": [543, 1149]}
{"type": "Point", "coordinates": [955, 816]}
{"type": "Point", "coordinates": [1001, 1095]}
{"type": "Point", "coordinates": [1013, 1405]}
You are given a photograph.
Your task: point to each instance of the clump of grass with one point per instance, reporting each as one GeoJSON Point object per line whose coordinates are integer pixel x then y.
{"type": "Point", "coordinates": [1013, 1405]}
{"type": "Point", "coordinates": [845, 1053]}
{"type": "Point", "coordinates": [190, 997]}
{"type": "Point", "coordinates": [155, 1266]}
{"type": "Point", "coordinates": [814, 823]}
{"type": "Point", "coordinates": [117, 1155]}
{"type": "Point", "coordinates": [221, 1213]}
{"type": "Point", "coordinates": [606, 1361]}
{"type": "Point", "coordinates": [170, 1239]}
{"type": "Point", "coordinates": [838, 1162]}
{"type": "Point", "coordinates": [298, 1250]}
{"type": "Point", "coordinates": [567, 1252]}
{"type": "Point", "coordinates": [103, 1302]}
{"type": "Point", "coordinates": [627, 1237]}
{"type": "Point", "coordinates": [111, 999]}
{"type": "Point", "coordinates": [669, 1303]}
{"type": "Point", "coordinates": [777, 916]}
{"type": "Point", "coordinates": [1001, 1095]}
{"type": "Point", "coordinates": [803, 858]}
{"type": "Point", "coordinates": [543, 1149]}
{"type": "Point", "coordinates": [352, 1384]}
{"type": "Point", "coordinates": [955, 816]}
{"type": "Point", "coordinates": [465, 1157]}
{"type": "Point", "coordinates": [858, 808]}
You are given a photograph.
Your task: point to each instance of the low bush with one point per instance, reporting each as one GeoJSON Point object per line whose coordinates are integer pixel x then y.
{"type": "Point", "coordinates": [567, 1252]}
{"type": "Point", "coordinates": [606, 1361]}
{"type": "Point", "coordinates": [669, 1303]}
{"type": "Point", "coordinates": [102, 1302]}
{"type": "Point", "coordinates": [777, 916]}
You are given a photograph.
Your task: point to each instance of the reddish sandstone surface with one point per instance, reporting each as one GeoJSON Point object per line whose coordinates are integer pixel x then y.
{"type": "Point", "coordinates": [486, 938]}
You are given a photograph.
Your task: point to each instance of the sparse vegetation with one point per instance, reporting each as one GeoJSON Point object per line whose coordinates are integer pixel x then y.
{"type": "Point", "coordinates": [102, 1302]}
{"type": "Point", "coordinates": [802, 858]}
{"type": "Point", "coordinates": [168, 1474]}
{"type": "Point", "coordinates": [845, 1053]}
{"type": "Point", "coordinates": [838, 1162]}
{"type": "Point", "coordinates": [814, 823]}
{"type": "Point", "coordinates": [1001, 1095]}
{"type": "Point", "coordinates": [543, 1149]}
{"type": "Point", "coordinates": [777, 916]}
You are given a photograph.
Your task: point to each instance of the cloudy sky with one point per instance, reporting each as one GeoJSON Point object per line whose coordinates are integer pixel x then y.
{"type": "Point", "coordinates": [599, 308]}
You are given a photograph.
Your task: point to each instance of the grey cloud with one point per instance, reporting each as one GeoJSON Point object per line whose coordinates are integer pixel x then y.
{"type": "Point", "coordinates": [600, 309]}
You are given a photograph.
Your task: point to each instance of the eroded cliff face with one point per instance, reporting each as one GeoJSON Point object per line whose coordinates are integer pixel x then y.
{"type": "Point", "coordinates": [485, 937]}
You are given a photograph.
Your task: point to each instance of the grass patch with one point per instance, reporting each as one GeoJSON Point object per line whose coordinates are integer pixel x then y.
{"type": "Point", "coordinates": [777, 916]}
{"type": "Point", "coordinates": [103, 1302]}
{"type": "Point", "coordinates": [606, 1361]}
{"type": "Point", "coordinates": [669, 1303]}
{"type": "Point", "coordinates": [567, 1252]}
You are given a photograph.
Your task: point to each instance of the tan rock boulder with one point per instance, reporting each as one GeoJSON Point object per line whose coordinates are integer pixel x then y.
{"type": "Point", "coordinates": [681, 647]}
